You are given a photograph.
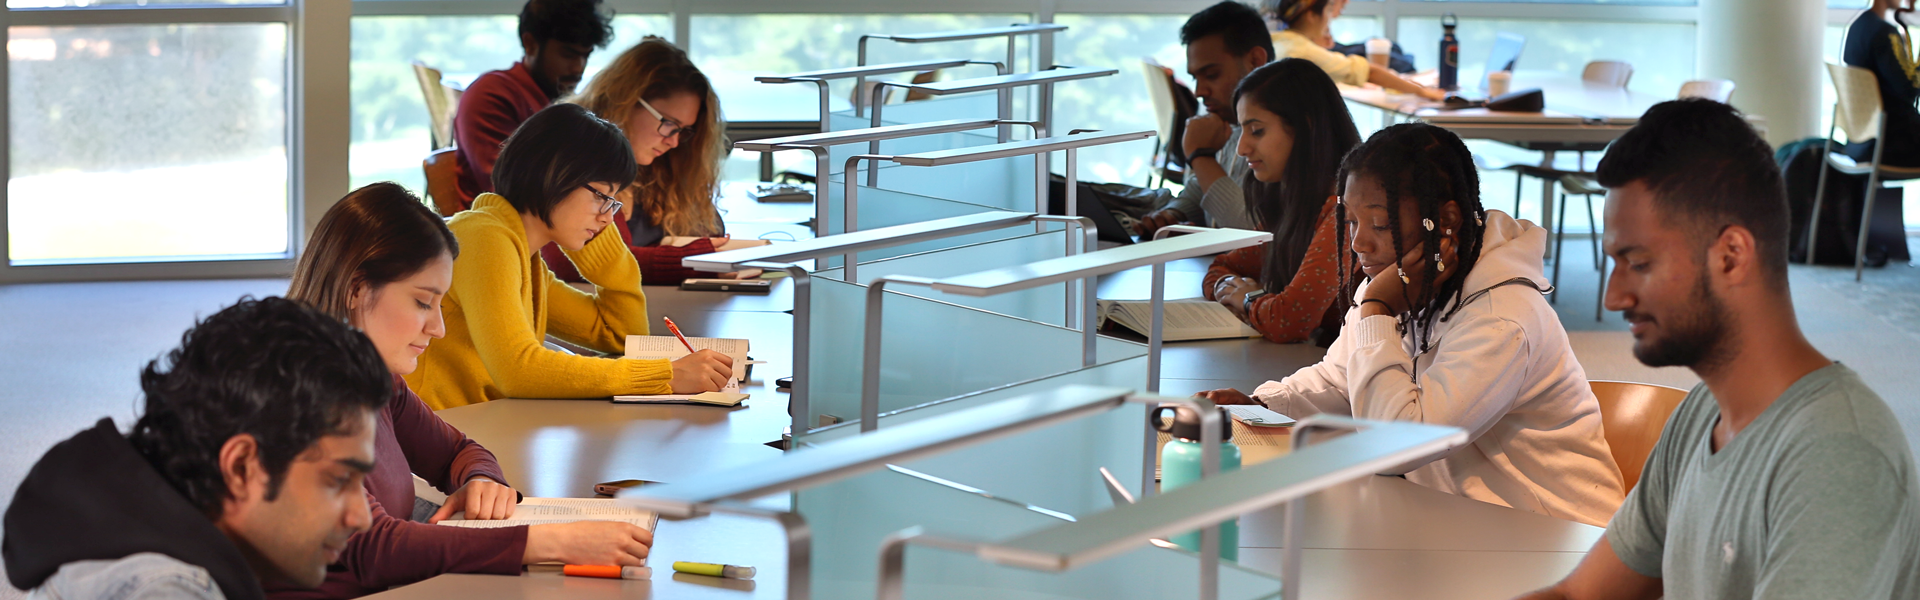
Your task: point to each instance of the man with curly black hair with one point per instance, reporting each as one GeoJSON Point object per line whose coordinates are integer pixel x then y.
{"type": "Point", "coordinates": [245, 467]}
{"type": "Point", "coordinates": [557, 37]}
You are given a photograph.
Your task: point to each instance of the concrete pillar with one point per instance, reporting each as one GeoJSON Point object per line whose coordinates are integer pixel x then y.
{"type": "Point", "coordinates": [1770, 49]}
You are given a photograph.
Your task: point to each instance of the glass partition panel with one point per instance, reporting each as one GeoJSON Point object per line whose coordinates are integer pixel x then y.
{"type": "Point", "coordinates": [886, 208]}
{"type": "Point", "coordinates": [1005, 183]}
{"type": "Point", "coordinates": [940, 108]}
{"type": "Point", "coordinates": [1054, 469]}
{"type": "Point", "coordinates": [1046, 304]}
{"type": "Point", "coordinates": [933, 351]}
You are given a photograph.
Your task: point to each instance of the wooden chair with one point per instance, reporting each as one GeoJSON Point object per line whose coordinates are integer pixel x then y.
{"type": "Point", "coordinates": [1857, 112]}
{"type": "Point", "coordinates": [1610, 73]}
{"type": "Point", "coordinates": [1717, 90]}
{"type": "Point", "coordinates": [1172, 106]}
{"type": "Point", "coordinates": [1632, 416]}
{"type": "Point", "coordinates": [442, 100]}
{"type": "Point", "coordinates": [443, 186]}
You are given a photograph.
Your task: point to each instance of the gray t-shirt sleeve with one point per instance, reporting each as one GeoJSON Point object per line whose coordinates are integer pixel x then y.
{"type": "Point", "coordinates": [1833, 507]}
{"type": "Point", "coordinates": [1638, 532]}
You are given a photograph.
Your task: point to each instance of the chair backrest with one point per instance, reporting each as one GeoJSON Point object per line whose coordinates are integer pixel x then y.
{"type": "Point", "coordinates": [1632, 415]}
{"type": "Point", "coordinates": [927, 76]}
{"type": "Point", "coordinates": [1857, 106]}
{"type": "Point", "coordinates": [443, 185]}
{"type": "Point", "coordinates": [1160, 91]}
{"type": "Point", "coordinates": [441, 101]}
{"type": "Point", "coordinates": [1717, 90]}
{"type": "Point", "coordinates": [1610, 73]}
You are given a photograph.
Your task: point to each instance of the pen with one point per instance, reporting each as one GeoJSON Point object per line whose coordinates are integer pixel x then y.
{"type": "Point", "coordinates": [676, 333]}
{"type": "Point", "coordinates": [608, 571]}
{"type": "Point", "coordinates": [727, 571]}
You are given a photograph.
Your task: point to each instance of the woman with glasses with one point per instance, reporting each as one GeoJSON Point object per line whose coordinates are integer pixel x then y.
{"type": "Point", "coordinates": [672, 117]}
{"type": "Point", "coordinates": [556, 181]}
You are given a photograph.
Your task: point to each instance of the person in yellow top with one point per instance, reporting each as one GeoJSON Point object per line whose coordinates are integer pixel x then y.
{"type": "Point", "coordinates": [1307, 35]}
{"type": "Point", "coordinates": [556, 178]}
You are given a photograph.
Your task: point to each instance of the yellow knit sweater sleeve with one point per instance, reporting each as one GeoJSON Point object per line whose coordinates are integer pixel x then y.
{"type": "Point", "coordinates": [603, 319]}
{"type": "Point", "coordinates": [494, 281]}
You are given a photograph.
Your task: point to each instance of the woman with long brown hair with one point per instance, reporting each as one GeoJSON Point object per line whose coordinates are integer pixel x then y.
{"type": "Point", "coordinates": [382, 262]}
{"type": "Point", "coordinates": [670, 114]}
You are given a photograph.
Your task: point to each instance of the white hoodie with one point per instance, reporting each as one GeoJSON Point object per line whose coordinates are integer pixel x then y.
{"type": "Point", "coordinates": [1501, 368]}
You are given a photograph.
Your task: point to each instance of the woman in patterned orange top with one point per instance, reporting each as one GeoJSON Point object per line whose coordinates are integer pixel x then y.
{"type": "Point", "coordinates": [1294, 129]}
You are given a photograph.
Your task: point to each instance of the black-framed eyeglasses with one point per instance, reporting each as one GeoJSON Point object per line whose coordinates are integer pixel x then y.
{"type": "Point", "coordinates": [608, 205]}
{"type": "Point", "coordinates": [668, 127]}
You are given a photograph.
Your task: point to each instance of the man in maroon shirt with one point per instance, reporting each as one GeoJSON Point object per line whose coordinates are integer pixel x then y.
{"type": "Point", "coordinates": [557, 36]}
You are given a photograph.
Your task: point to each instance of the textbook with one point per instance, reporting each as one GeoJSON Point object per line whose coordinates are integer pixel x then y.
{"type": "Point", "coordinates": [1182, 320]}
{"type": "Point", "coordinates": [668, 347]}
{"type": "Point", "coordinates": [540, 511]}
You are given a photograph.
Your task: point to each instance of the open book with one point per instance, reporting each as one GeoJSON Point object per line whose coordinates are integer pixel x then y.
{"type": "Point", "coordinates": [1192, 319]}
{"type": "Point", "coordinates": [537, 511]}
{"type": "Point", "coordinates": [668, 347]}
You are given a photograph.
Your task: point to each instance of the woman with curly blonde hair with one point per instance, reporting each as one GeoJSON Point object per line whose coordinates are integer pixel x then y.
{"type": "Point", "coordinates": [670, 114]}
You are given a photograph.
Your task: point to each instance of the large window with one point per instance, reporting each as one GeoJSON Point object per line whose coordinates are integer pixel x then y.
{"type": "Point", "coordinates": [141, 135]}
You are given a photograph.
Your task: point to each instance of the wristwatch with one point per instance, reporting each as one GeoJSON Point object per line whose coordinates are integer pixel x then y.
{"type": "Point", "coordinates": [1195, 155]}
{"type": "Point", "coordinates": [1246, 305]}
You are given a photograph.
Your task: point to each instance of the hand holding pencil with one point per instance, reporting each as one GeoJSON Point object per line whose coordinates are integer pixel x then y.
{"type": "Point", "coordinates": [701, 370]}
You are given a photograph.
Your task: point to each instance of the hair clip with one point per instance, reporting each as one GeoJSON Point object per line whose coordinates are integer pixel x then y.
{"type": "Point", "coordinates": [1428, 223]}
{"type": "Point", "coordinates": [1441, 265]}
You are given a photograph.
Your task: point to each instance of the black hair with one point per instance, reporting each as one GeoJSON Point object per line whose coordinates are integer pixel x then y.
{"type": "Point", "coordinates": [1310, 107]}
{"type": "Point", "coordinates": [273, 368]}
{"type": "Point", "coordinates": [1290, 11]}
{"type": "Point", "coordinates": [1239, 26]}
{"type": "Point", "coordinates": [1706, 166]}
{"type": "Point", "coordinates": [567, 21]}
{"type": "Point", "coordinates": [1429, 166]}
{"type": "Point", "coordinates": [560, 149]}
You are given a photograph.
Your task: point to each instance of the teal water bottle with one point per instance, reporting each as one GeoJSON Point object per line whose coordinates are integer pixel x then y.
{"type": "Point", "coordinates": [1180, 465]}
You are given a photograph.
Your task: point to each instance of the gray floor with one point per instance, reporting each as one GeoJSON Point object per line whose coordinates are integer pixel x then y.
{"type": "Point", "coordinates": [73, 350]}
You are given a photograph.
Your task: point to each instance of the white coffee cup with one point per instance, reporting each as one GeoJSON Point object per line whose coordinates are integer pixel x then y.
{"type": "Point", "coordinates": [1380, 51]}
{"type": "Point", "coordinates": [1498, 83]}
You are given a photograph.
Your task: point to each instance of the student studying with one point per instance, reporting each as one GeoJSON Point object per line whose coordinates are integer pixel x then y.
{"type": "Point", "coordinates": [380, 261]}
{"type": "Point", "coordinates": [1451, 328]}
{"type": "Point", "coordinates": [1294, 128]}
{"type": "Point", "coordinates": [557, 176]}
{"type": "Point", "coordinates": [1224, 42]}
{"type": "Point", "coordinates": [670, 114]}
{"type": "Point", "coordinates": [1782, 475]}
{"type": "Point", "coordinates": [557, 37]}
{"type": "Point", "coordinates": [244, 469]}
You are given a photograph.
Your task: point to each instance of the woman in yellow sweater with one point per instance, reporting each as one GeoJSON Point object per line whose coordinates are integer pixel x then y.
{"type": "Point", "coordinates": [556, 178]}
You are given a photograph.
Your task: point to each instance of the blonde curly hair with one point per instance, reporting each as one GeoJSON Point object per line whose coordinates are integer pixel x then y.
{"type": "Point", "coordinates": [677, 191]}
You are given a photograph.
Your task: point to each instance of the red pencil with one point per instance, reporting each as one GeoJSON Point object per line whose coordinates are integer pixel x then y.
{"type": "Point", "coordinates": [676, 333]}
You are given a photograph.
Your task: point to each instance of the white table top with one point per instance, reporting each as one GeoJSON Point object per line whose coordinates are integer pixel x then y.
{"type": "Point", "coordinates": [1576, 111]}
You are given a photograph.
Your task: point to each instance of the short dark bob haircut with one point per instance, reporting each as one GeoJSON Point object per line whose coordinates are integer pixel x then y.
{"type": "Point", "coordinates": [561, 149]}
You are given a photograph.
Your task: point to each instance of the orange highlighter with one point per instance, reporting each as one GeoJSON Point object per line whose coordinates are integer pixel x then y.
{"type": "Point", "coordinates": [676, 333]}
{"type": "Point", "coordinates": [608, 571]}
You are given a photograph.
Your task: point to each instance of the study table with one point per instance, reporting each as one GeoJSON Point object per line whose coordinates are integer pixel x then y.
{"type": "Point", "coordinates": [1374, 538]}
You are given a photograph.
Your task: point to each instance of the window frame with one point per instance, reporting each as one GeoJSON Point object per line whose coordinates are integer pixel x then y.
{"type": "Point", "coordinates": [306, 145]}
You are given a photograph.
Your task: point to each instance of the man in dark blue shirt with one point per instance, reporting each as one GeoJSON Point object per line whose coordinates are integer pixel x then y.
{"type": "Point", "coordinates": [1875, 43]}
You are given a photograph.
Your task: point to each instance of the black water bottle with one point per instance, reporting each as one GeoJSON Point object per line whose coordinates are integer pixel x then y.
{"type": "Point", "coordinates": [1449, 54]}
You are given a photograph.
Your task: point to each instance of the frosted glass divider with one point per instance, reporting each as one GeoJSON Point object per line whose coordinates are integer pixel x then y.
{"type": "Point", "coordinates": [1085, 267]}
{"type": "Point", "coordinates": [821, 77]}
{"type": "Point", "coordinates": [821, 144]}
{"type": "Point", "coordinates": [1003, 84]}
{"type": "Point", "coordinates": [726, 490]}
{"type": "Point", "coordinates": [785, 257]}
{"type": "Point", "coordinates": [1374, 446]}
{"type": "Point", "coordinates": [1044, 58]}
{"type": "Point", "coordinates": [1038, 148]}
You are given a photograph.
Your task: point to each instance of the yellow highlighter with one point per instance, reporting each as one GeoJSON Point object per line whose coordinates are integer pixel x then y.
{"type": "Point", "coordinates": [727, 571]}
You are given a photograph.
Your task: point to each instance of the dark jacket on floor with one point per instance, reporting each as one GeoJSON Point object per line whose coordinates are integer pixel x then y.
{"type": "Point", "coordinates": [93, 497]}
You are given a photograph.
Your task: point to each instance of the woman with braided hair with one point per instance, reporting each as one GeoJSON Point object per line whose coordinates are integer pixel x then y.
{"type": "Point", "coordinates": [1450, 327]}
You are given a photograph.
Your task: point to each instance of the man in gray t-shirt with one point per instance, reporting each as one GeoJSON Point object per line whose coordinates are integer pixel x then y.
{"type": "Point", "coordinates": [1781, 475]}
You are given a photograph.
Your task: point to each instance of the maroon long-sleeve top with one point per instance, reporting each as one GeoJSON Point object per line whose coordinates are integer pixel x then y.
{"type": "Point", "coordinates": [410, 439]}
{"type": "Point", "coordinates": [490, 109]}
